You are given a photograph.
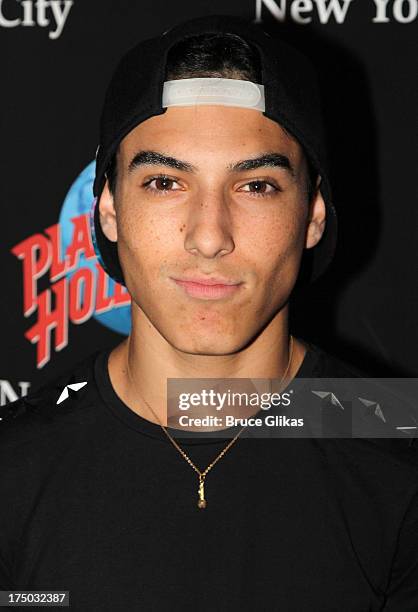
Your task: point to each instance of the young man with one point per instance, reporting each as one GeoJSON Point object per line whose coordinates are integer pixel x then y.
{"type": "Point", "coordinates": [213, 202]}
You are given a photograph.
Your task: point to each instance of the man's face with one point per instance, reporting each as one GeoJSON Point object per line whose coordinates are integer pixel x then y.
{"type": "Point", "coordinates": [189, 204]}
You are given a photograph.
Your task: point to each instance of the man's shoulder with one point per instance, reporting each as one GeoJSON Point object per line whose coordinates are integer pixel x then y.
{"type": "Point", "coordinates": [380, 417]}
{"type": "Point", "coordinates": [53, 406]}
{"type": "Point", "coordinates": [330, 365]}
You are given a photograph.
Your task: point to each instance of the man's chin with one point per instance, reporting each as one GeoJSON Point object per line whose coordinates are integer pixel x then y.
{"type": "Point", "coordinates": [209, 346]}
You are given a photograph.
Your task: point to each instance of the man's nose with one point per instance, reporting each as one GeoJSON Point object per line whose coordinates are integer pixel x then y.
{"type": "Point", "coordinates": [209, 229]}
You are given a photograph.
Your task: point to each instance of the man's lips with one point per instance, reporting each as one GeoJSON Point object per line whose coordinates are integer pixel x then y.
{"type": "Point", "coordinates": [209, 280]}
{"type": "Point", "coordinates": [209, 288]}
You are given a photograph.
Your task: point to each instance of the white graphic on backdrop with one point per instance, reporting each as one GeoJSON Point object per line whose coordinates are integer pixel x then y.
{"type": "Point", "coordinates": [10, 392]}
{"type": "Point", "coordinates": [66, 391]}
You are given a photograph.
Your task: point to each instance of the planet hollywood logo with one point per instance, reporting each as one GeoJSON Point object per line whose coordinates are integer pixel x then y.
{"type": "Point", "coordinates": [63, 282]}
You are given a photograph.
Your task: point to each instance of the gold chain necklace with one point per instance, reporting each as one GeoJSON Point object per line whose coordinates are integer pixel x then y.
{"type": "Point", "coordinates": [202, 502]}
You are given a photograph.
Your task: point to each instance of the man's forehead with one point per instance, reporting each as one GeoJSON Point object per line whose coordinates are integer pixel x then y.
{"type": "Point", "coordinates": [185, 132]}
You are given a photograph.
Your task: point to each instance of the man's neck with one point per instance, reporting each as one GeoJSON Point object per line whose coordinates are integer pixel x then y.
{"type": "Point", "coordinates": [140, 366]}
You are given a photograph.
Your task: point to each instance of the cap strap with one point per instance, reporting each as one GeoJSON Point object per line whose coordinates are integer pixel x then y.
{"type": "Point", "coordinates": [226, 92]}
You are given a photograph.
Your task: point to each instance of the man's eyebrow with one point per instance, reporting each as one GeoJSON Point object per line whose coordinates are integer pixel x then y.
{"type": "Point", "coordinates": [277, 160]}
{"type": "Point", "coordinates": [159, 159]}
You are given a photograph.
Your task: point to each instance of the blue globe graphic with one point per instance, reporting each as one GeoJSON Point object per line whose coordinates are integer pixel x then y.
{"type": "Point", "coordinates": [78, 201]}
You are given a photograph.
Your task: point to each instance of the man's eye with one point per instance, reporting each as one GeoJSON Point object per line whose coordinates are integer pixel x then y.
{"type": "Point", "coordinates": [259, 187]}
{"type": "Point", "coordinates": [160, 183]}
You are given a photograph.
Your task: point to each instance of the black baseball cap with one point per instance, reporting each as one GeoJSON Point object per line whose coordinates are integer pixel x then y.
{"type": "Point", "coordinates": [291, 99]}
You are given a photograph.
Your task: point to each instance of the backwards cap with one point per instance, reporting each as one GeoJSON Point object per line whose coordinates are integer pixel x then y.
{"type": "Point", "coordinates": [291, 98]}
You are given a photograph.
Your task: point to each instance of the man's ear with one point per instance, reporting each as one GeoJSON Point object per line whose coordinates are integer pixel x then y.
{"type": "Point", "coordinates": [108, 214]}
{"type": "Point", "coordinates": [317, 218]}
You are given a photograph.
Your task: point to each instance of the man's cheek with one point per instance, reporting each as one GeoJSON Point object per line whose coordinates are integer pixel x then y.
{"type": "Point", "coordinates": [134, 262]}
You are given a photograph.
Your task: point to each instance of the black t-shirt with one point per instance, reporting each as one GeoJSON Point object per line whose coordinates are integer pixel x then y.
{"type": "Point", "coordinates": [95, 500]}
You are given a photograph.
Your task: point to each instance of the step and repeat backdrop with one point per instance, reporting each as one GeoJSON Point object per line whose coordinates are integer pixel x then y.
{"type": "Point", "coordinates": [57, 304]}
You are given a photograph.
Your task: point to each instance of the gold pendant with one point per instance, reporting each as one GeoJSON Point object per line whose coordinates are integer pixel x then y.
{"type": "Point", "coordinates": [202, 501]}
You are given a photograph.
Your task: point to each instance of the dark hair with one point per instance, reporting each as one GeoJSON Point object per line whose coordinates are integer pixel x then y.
{"type": "Point", "coordinates": [214, 55]}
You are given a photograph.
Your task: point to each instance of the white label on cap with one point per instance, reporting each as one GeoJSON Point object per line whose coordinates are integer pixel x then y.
{"type": "Point", "coordinates": [226, 92]}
